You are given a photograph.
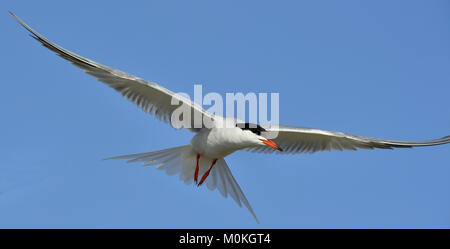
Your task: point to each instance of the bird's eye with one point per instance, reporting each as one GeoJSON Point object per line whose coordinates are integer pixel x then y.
{"type": "Point", "coordinates": [251, 127]}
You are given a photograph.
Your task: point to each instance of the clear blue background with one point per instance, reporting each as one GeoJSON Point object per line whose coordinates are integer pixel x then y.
{"type": "Point", "coordinates": [377, 69]}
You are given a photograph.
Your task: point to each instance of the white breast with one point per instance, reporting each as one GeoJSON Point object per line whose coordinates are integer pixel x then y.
{"type": "Point", "coordinates": [220, 142]}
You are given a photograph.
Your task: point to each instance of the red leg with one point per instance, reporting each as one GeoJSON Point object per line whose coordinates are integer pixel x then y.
{"type": "Point", "coordinates": [196, 169]}
{"type": "Point", "coordinates": [207, 172]}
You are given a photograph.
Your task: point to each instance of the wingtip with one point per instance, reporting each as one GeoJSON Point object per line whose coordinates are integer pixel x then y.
{"type": "Point", "coordinates": [17, 18]}
{"type": "Point", "coordinates": [13, 15]}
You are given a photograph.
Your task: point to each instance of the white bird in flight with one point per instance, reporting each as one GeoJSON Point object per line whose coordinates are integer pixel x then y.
{"type": "Point", "coordinates": [202, 161]}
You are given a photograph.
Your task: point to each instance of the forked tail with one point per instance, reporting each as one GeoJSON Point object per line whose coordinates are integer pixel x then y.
{"type": "Point", "coordinates": [182, 160]}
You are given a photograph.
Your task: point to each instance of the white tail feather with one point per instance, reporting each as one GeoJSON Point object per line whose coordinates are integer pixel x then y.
{"type": "Point", "coordinates": [182, 160]}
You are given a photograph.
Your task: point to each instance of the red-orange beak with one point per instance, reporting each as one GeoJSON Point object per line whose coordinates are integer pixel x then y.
{"type": "Point", "coordinates": [271, 143]}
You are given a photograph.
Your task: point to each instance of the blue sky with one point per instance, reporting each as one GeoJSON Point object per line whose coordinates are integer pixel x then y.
{"type": "Point", "coordinates": [375, 68]}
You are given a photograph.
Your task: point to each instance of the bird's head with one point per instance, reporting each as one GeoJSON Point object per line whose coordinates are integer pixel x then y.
{"type": "Point", "coordinates": [253, 133]}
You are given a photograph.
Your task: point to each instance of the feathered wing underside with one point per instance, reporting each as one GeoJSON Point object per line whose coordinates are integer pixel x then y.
{"type": "Point", "coordinates": [307, 140]}
{"type": "Point", "coordinates": [182, 160]}
{"type": "Point", "coordinates": [150, 97]}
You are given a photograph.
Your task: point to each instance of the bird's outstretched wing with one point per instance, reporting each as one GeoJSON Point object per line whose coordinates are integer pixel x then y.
{"type": "Point", "coordinates": [149, 96]}
{"type": "Point", "coordinates": [306, 140]}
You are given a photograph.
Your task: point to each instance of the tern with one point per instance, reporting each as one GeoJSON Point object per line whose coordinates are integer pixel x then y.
{"type": "Point", "coordinates": [202, 161]}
